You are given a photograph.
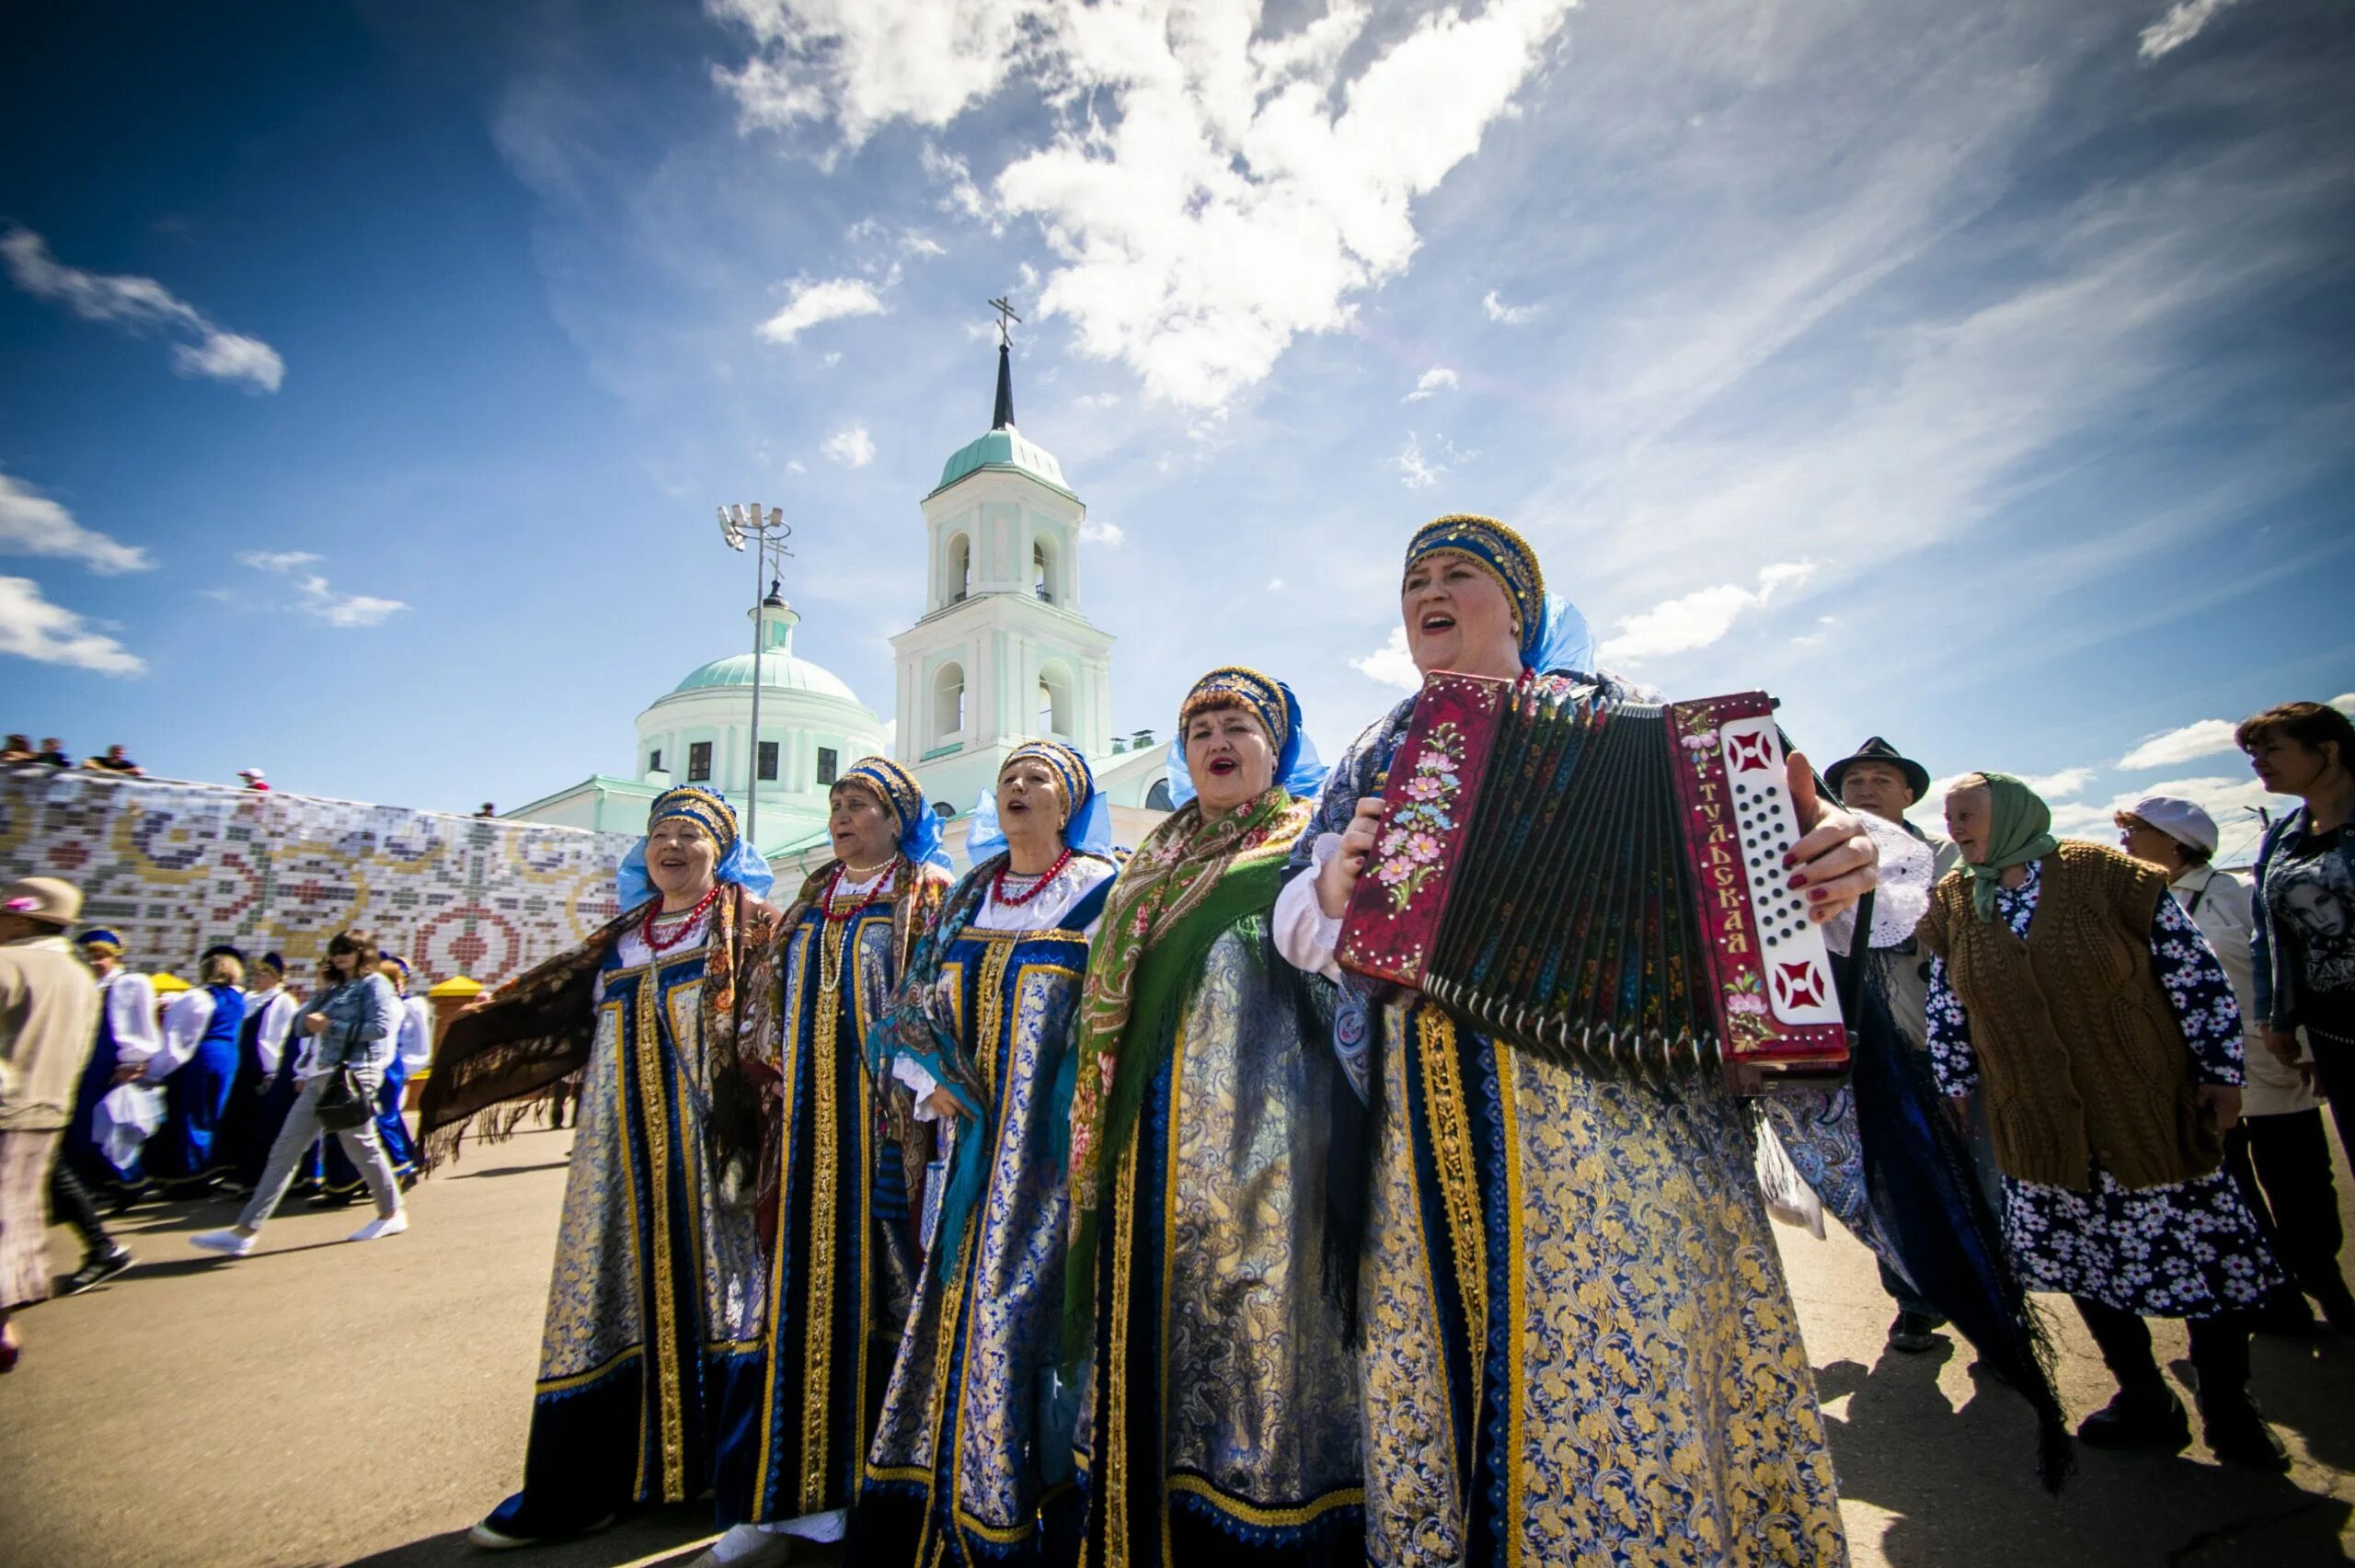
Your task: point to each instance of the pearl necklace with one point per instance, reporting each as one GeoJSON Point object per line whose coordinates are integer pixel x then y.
{"type": "Point", "coordinates": [874, 895]}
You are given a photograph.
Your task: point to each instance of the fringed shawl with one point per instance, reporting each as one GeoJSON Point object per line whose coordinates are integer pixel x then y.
{"type": "Point", "coordinates": [496, 1060]}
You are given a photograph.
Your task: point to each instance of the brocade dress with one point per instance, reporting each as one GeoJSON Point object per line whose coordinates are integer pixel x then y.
{"type": "Point", "coordinates": [655, 1309]}
{"type": "Point", "coordinates": [843, 1255]}
{"type": "Point", "coordinates": [975, 1432]}
{"type": "Point", "coordinates": [1577, 1346]}
{"type": "Point", "coordinates": [1219, 1422]}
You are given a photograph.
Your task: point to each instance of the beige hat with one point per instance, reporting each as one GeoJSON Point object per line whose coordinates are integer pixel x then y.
{"type": "Point", "coordinates": [41, 898]}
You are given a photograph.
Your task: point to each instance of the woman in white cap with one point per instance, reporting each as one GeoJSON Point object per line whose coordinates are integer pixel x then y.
{"type": "Point", "coordinates": [2278, 1153]}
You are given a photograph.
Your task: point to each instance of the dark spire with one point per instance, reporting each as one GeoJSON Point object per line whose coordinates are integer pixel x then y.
{"type": "Point", "coordinates": [1004, 418]}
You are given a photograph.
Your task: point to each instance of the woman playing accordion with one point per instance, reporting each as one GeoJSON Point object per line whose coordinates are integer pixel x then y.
{"type": "Point", "coordinates": [1574, 1339]}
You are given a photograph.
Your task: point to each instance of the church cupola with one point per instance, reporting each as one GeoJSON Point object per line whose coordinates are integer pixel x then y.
{"type": "Point", "coordinates": [777, 621]}
{"type": "Point", "coordinates": [1002, 652]}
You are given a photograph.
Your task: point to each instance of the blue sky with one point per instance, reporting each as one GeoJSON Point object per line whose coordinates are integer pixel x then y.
{"type": "Point", "coordinates": [1977, 376]}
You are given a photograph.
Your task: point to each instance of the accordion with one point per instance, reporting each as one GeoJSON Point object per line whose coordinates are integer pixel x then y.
{"type": "Point", "coordinates": [1600, 883]}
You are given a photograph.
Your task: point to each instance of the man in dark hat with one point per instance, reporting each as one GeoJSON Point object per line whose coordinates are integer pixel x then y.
{"type": "Point", "coordinates": [1881, 781]}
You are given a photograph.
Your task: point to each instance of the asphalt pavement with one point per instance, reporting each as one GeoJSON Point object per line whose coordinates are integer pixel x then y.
{"type": "Point", "coordinates": [320, 1402]}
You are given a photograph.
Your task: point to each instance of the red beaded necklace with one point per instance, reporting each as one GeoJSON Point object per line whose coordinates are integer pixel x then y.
{"type": "Point", "coordinates": [679, 932]}
{"type": "Point", "coordinates": [1015, 900]}
{"type": "Point", "coordinates": [874, 895]}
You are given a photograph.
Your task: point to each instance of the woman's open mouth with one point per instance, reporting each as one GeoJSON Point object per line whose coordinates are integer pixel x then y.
{"type": "Point", "coordinates": [1222, 766]}
{"type": "Point", "coordinates": [1013, 806]}
{"type": "Point", "coordinates": [1438, 621]}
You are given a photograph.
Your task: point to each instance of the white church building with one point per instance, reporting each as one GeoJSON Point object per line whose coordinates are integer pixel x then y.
{"type": "Point", "coordinates": [1002, 653]}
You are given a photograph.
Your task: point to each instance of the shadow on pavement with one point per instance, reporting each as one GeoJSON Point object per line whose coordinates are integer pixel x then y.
{"type": "Point", "coordinates": [658, 1538]}
{"type": "Point", "coordinates": [1962, 1481]}
{"type": "Point", "coordinates": [507, 1170]}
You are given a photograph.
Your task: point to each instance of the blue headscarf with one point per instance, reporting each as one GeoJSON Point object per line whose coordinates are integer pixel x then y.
{"type": "Point", "coordinates": [1554, 636]}
{"type": "Point", "coordinates": [102, 941]}
{"type": "Point", "coordinates": [903, 796]}
{"type": "Point", "coordinates": [1273, 704]}
{"type": "Point", "coordinates": [1089, 831]}
{"type": "Point", "coordinates": [708, 809]}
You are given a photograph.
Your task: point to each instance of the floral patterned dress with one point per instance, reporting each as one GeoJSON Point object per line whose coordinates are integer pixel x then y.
{"type": "Point", "coordinates": [2187, 1250]}
{"type": "Point", "coordinates": [1576, 1343]}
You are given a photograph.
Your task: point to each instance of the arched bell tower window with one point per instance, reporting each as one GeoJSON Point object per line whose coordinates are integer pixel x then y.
{"type": "Point", "coordinates": [1055, 701]}
{"type": "Point", "coordinates": [957, 582]}
{"type": "Point", "coordinates": [948, 700]}
{"type": "Point", "coordinates": [1042, 570]}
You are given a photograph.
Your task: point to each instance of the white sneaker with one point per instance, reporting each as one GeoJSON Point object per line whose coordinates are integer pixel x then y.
{"type": "Point", "coordinates": [392, 1225]}
{"type": "Point", "coordinates": [231, 1244]}
{"type": "Point", "coordinates": [747, 1546]}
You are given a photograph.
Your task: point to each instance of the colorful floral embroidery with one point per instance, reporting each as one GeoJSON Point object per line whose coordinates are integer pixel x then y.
{"type": "Point", "coordinates": [1408, 847]}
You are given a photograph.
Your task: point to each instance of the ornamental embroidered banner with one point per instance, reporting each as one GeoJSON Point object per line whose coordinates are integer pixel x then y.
{"type": "Point", "coordinates": [176, 867]}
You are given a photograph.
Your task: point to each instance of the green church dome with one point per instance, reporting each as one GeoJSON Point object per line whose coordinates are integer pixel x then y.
{"type": "Point", "coordinates": [778, 670]}
{"type": "Point", "coordinates": [1003, 448]}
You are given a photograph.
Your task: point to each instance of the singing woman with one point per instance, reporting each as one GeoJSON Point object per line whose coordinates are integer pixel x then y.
{"type": "Point", "coordinates": [1220, 1423]}
{"type": "Point", "coordinates": [655, 1308]}
{"type": "Point", "coordinates": [846, 1157]}
{"type": "Point", "coordinates": [975, 1431]}
{"type": "Point", "coordinates": [1576, 1343]}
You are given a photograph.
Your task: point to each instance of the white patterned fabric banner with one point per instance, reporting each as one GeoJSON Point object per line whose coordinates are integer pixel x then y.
{"type": "Point", "coordinates": [176, 867]}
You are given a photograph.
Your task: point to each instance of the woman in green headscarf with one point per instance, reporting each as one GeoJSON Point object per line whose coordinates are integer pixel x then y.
{"type": "Point", "coordinates": [2066, 981]}
{"type": "Point", "coordinates": [1219, 1420]}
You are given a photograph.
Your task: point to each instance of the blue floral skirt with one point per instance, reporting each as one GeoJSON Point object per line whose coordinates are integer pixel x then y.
{"type": "Point", "coordinates": [2189, 1250]}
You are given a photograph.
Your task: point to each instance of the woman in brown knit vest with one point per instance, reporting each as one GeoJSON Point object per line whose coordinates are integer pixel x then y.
{"type": "Point", "coordinates": [2067, 984]}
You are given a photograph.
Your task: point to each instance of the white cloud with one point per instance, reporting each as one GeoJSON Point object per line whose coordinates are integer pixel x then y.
{"type": "Point", "coordinates": [1107, 535]}
{"type": "Point", "coordinates": [1415, 471]}
{"type": "Point", "coordinates": [1697, 619]}
{"type": "Point", "coordinates": [1432, 381]}
{"type": "Point", "coordinates": [1275, 585]}
{"type": "Point", "coordinates": [1209, 194]}
{"type": "Point", "coordinates": [276, 560]}
{"type": "Point", "coordinates": [31, 627]}
{"type": "Point", "coordinates": [346, 610]}
{"type": "Point", "coordinates": [2344, 702]}
{"type": "Point", "coordinates": [2201, 738]}
{"type": "Point", "coordinates": [32, 524]}
{"type": "Point", "coordinates": [142, 305]}
{"type": "Point", "coordinates": [1391, 663]}
{"type": "Point", "coordinates": [964, 197]}
{"type": "Point", "coordinates": [2232, 802]}
{"type": "Point", "coordinates": [2183, 22]}
{"type": "Point", "coordinates": [2059, 786]}
{"type": "Point", "coordinates": [794, 465]}
{"type": "Point", "coordinates": [916, 242]}
{"type": "Point", "coordinates": [832, 358]}
{"type": "Point", "coordinates": [808, 304]}
{"type": "Point", "coordinates": [850, 446]}
{"type": "Point", "coordinates": [315, 597]}
{"type": "Point", "coordinates": [1511, 315]}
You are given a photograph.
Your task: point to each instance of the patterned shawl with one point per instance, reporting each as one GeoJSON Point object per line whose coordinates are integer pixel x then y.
{"type": "Point", "coordinates": [496, 1060]}
{"type": "Point", "coordinates": [1177, 873]}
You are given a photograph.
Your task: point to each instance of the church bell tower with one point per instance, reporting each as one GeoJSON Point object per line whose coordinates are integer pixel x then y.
{"type": "Point", "coordinates": [1002, 654]}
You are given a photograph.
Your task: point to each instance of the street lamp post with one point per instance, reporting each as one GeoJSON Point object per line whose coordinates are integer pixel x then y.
{"type": "Point", "coordinates": [768, 534]}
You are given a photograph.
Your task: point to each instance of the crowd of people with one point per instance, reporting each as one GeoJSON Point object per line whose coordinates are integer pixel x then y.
{"type": "Point", "coordinates": [1084, 1208]}
{"type": "Point", "coordinates": [211, 1091]}
{"type": "Point", "coordinates": [19, 755]}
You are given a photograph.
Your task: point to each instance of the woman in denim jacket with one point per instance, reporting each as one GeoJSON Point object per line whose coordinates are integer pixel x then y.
{"type": "Point", "coordinates": [356, 1023]}
{"type": "Point", "coordinates": [2304, 945]}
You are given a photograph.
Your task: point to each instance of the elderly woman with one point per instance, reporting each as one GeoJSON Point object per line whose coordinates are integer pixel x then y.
{"type": "Point", "coordinates": [835, 1210]}
{"type": "Point", "coordinates": [2067, 980]}
{"type": "Point", "coordinates": [1221, 1417]}
{"type": "Point", "coordinates": [655, 1308]}
{"type": "Point", "coordinates": [973, 1430]}
{"type": "Point", "coordinates": [1577, 1340]}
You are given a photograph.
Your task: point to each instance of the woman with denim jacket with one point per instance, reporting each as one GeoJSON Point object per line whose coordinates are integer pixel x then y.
{"type": "Point", "coordinates": [2304, 945]}
{"type": "Point", "coordinates": [355, 1024]}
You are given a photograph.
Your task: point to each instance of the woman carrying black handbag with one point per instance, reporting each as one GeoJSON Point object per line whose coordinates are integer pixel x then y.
{"type": "Point", "coordinates": [356, 1022]}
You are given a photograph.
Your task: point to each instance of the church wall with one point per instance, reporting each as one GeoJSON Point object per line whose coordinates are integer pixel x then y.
{"type": "Point", "coordinates": [176, 867]}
